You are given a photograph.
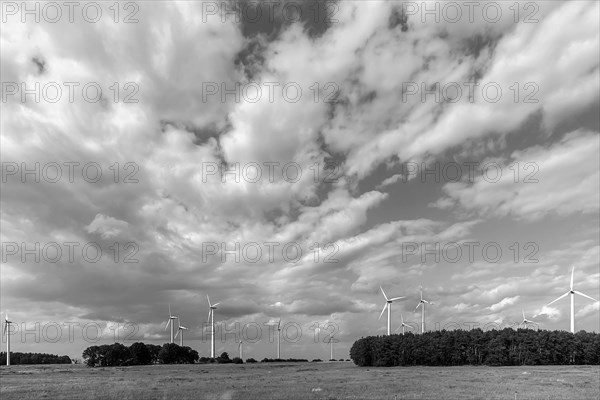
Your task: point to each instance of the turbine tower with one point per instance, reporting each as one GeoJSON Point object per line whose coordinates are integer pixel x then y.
{"type": "Point", "coordinates": [211, 320]}
{"type": "Point", "coordinates": [279, 339]}
{"type": "Point", "coordinates": [572, 292]}
{"type": "Point", "coordinates": [180, 329]}
{"type": "Point", "coordinates": [330, 341]}
{"type": "Point", "coordinates": [388, 305]}
{"type": "Point", "coordinates": [278, 324]}
{"type": "Point", "coordinates": [422, 305]}
{"type": "Point", "coordinates": [240, 349]}
{"type": "Point", "coordinates": [7, 332]}
{"type": "Point", "coordinates": [526, 321]}
{"type": "Point", "coordinates": [170, 322]}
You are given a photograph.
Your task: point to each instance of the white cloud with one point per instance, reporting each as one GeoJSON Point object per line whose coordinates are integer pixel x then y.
{"type": "Point", "coordinates": [560, 179]}
{"type": "Point", "coordinates": [507, 301]}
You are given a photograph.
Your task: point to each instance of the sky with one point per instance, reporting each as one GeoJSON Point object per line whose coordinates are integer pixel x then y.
{"type": "Point", "coordinates": [288, 159]}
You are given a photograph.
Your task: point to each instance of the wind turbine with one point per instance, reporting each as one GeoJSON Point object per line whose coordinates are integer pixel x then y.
{"type": "Point", "coordinates": [526, 321]}
{"type": "Point", "coordinates": [279, 339]}
{"type": "Point", "coordinates": [330, 341]}
{"type": "Point", "coordinates": [180, 329]}
{"type": "Point", "coordinates": [211, 320]}
{"type": "Point", "coordinates": [421, 304]}
{"type": "Point", "coordinates": [170, 322]}
{"type": "Point", "coordinates": [7, 332]}
{"type": "Point", "coordinates": [272, 323]}
{"type": "Point", "coordinates": [388, 305]}
{"type": "Point", "coordinates": [240, 349]}
{"type": "Point", "coordinates": [572, 292]}
{"type": "Point", "coordinates": [403, 324]}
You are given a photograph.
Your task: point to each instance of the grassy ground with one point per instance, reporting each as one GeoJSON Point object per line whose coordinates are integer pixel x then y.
{"type": "Point", "coordinates": [341, 380]}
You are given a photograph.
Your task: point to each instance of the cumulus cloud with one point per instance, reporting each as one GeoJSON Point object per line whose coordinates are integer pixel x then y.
{"type": "Point", "coordinates": [507, 301]}
{"type": "Point", "coordinates": [175, 165]}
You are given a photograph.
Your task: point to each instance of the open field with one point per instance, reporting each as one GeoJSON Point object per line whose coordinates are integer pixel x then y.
{"type": "Point", "coordinates": [341, 380]}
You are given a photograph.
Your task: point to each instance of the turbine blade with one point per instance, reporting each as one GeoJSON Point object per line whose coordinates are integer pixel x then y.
{"type": "Point", "coordinates": [402, 319]}
{"type": "Point", "coordinates": [383, 293]}
{"type": "Point", "coordinates": [278, 323]}
{"type": "Point", "coordinates": [417, 307]}
{"type": "Point", "coordinates": [382, 311]}
{"type": "Point", "coordinates": [555, 300]}
{"type": "Point", "coordinates": [209, 313]}
{"type": "Point", "coordinates": [397, 298]}
{"type": "Point", "coordinates": [168, 322]}
{"type": "Point", "coordinates": [584, 295]}
{"type": "Point", "coordinates": [170, 311]}
{"type": "Point", "coordinates": [208, 298]}
{"type": "Point", "coordinates": [177, 334]}
{"type": "Point", "coordinates": [523, 314]}
{"type": "Point", "coordinates": [572, 273]}
{"type": "Point", "coordinates": [216, 304]}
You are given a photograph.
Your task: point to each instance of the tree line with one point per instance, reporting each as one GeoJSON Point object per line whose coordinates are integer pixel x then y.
{"type": "Point", "coordinates": [34, 358]}
{"type": "Point", "coordinates": [475, 347]}
{"type": "Point", "coordinates": [117, 354]}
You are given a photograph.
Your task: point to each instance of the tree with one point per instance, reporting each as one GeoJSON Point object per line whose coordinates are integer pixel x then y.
{"type": "Point", "coordinates": [223, 358]}
{"type": "Point", "coordinates": [140, 354]}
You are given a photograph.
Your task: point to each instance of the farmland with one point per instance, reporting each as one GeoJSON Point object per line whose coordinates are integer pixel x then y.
{"type": "Point", "coordinates": [339, 380]}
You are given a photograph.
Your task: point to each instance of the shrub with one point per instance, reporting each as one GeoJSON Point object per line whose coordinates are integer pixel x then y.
{"type": "Point", "coordinates": [237, 360]}
{"type": "Point", "coordinates": [250, 360]}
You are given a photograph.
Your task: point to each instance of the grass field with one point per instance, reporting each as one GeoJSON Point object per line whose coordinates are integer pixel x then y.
{"type": "Point", "coordinates": [341, 380]}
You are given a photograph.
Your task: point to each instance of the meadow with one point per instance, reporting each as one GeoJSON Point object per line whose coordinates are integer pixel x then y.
{"type": "Point", "coordinates": [336, 380]}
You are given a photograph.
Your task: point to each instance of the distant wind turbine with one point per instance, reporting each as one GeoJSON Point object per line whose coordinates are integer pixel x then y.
{"type": "Point", "coordinates": [330, 341]}
{"type": "Point", "coordinates": [211, 320]}
{"type": "Point", "coordinates": [526, 321]}
{"type": "Point", "coordinates": [240, 349]}
{"type": "Point", "coordinates": [388, 305]}
{"type": "Point", "coordinates": [180, 329]}
{"type": "Point", "coordinates": [278, 324]}
{"type": "Point", "coordinates": [421, 304]}
{"type": "Point", "coordinates": [170, 322]}
{"type": "Point", "coordinates": [7, 332]}
{"type": "Point", "coordinates": [403, 324]}
{"type": "Point", "coordinates": [572, 292]}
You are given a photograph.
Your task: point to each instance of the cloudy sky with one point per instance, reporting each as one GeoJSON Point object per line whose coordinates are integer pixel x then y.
{"type": "Point", "coordinates": [288, 159]}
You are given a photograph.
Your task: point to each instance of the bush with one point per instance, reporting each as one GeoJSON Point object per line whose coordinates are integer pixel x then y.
{"type": "Point", "coordinates": [250, 360]}
{"type": "Point", "coordinates": [224, 358]}
{"type": "Point", "coordinates": [317, 360]}
{"type": "Point", "coordinates": [17, 358]}
{"type": "Point", "coordinates": [237, 360]}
